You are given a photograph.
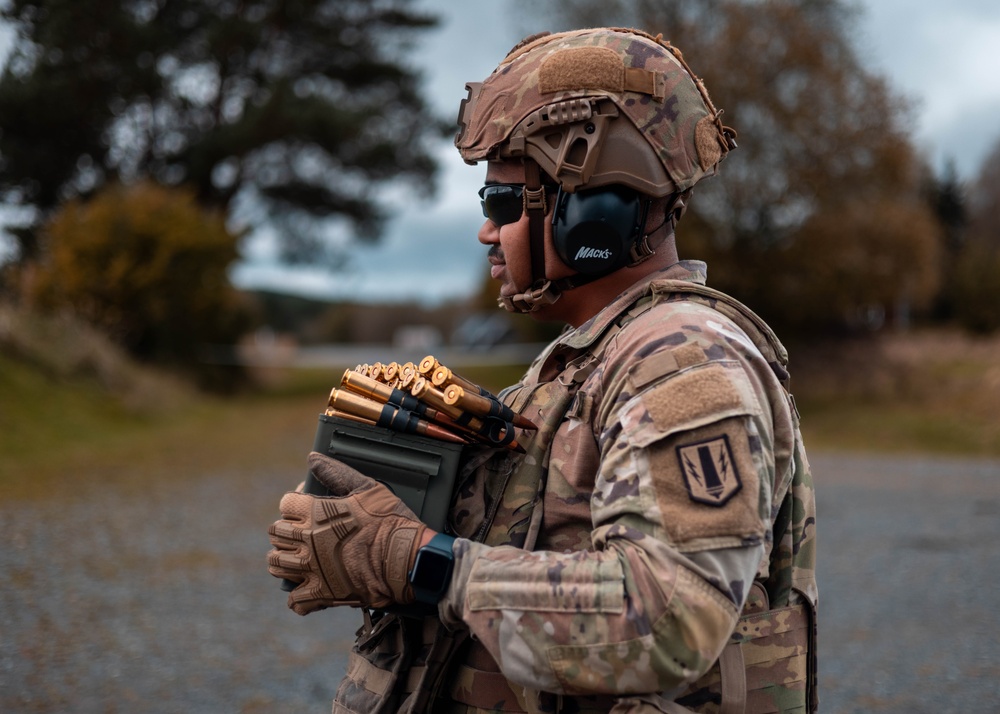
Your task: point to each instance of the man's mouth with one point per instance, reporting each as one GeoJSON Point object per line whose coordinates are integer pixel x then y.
{"type": "Point", "coordinates": [497, 262]}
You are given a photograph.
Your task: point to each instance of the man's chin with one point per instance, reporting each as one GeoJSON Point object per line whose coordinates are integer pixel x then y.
{"type": "Point", "coordinates": [508, 290]}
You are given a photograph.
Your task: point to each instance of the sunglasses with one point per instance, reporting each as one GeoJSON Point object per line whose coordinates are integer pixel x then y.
{"type": "Point", "coordinates": [503, 203]}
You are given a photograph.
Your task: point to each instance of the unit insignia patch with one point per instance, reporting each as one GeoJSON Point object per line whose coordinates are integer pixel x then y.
{"type": "Point", "coordinates": [710, 473]}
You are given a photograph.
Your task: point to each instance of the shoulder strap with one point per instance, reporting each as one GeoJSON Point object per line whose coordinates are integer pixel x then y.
{"type": "Point", "coordinates": [753, 325]}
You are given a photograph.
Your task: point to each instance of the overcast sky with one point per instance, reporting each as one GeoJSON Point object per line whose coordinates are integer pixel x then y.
{"type": "Point", "coordinates": [941, 55]}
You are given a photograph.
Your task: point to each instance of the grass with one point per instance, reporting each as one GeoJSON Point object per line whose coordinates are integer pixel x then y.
{"type": "Point", "coordinates": [897, 428]}
{"type": "Point", "coordinates": [54, 428]}
{"type": "Point", "coordinates": [931, 393]}
{"type": "Point", "coordinates": [922, 392]}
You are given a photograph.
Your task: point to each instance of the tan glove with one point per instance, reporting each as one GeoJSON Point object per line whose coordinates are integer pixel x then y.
{"type": "Point", "coordinates": [354, 548]}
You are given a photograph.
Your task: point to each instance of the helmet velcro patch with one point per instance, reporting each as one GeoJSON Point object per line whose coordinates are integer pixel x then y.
{"type": "Point", "coordinates": [706, 140]}
{"type": "Point", "coordinates": [582, 68]}
{"type": "Point", "coordinates": [655, 147]}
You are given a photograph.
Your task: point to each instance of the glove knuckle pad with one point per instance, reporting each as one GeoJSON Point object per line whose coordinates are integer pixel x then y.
{"type": "Point", "coordinates": [295, 506]}
{"type": "Point", "coordinates": [286, 530]}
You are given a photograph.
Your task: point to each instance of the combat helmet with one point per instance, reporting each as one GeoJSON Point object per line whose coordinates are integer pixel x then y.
{"type": "Point", "coordinates": [593, 108]}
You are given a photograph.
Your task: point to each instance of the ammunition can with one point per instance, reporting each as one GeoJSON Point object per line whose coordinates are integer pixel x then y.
{"type": "Point", "coordinates": [419, 470]}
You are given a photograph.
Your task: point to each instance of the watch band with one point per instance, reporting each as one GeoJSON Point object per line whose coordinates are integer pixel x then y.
{"type": "Point", "coordinates": [431, 573]}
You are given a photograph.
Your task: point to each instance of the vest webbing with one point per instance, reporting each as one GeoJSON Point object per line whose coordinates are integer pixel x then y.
{"type": "Point", "coordinates": [477, 682]}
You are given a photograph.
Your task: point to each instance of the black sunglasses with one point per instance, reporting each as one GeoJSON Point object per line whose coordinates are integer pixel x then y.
{"type": "Point", "coordinates": [503, 203]}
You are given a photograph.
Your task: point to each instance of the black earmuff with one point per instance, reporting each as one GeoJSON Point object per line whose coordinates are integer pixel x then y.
{"type": "Point", "coordinates": [594, 230]}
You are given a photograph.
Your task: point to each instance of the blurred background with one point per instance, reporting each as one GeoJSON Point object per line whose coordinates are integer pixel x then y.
{"type": "Point", "coordinates": [210, 209]}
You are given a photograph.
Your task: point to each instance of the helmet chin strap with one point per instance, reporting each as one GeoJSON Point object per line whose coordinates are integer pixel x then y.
{"type": "Point", "coordinates": [530, 300]}
{"type": "Point", "coordinates": [542, 291]}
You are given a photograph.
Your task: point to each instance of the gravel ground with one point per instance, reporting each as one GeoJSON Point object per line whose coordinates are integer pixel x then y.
{"type": "Point", "coordinates": [156, 599]}
{"type": "Point", "coordinates": [909, 583]}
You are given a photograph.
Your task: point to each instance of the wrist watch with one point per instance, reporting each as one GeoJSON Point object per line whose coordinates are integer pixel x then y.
{"type": "Point", "coordinates": [431, 573]}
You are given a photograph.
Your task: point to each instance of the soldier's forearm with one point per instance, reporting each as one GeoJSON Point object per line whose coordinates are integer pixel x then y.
{"type": "Point", "coordinates": [596, 621]}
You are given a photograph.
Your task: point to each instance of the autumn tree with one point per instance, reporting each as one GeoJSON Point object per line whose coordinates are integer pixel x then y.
{"type": "Point", "coordinates": [295, 111]}
{"type": "Point", "coordinates": [817, 217]}
{"type": "Point", "coordinates": [146, 264]}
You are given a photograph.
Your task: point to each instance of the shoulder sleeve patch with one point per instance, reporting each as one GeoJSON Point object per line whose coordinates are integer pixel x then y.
{"type": "Point", "coordinates": [709, 486]}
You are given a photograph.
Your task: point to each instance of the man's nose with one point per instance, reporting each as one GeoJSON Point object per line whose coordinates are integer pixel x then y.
{"type": "Point", "coordinates": [489, 233]}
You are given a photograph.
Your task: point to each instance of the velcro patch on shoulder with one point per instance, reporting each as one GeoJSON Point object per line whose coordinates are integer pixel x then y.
{"type": "Point", "coordinates": [688, 399]}
{"type": "Point", "coordinates": [689, 355]}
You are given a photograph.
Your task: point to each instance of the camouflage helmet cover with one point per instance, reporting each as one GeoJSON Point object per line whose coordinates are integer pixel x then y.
{"type": "Point", "coordinates": [560, 100]}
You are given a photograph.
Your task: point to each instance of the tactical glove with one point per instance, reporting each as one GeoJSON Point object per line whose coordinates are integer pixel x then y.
{"type": "Point", "coordinates": [353, 548]}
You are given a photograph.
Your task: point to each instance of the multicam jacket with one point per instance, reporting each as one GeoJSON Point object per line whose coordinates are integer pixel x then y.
{"type": "Point", "coordinates": [652, 551]}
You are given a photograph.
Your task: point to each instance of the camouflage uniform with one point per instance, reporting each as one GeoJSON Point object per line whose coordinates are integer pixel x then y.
{"type": "Point", "coordinates": [665, 494]}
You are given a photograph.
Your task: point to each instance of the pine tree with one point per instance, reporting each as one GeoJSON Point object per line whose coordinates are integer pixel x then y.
{"type": "Point", "coordinates": [299, 109]}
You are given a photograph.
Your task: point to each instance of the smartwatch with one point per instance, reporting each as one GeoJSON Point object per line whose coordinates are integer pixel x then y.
{"type": "Point", "coordinates": [432, 567]}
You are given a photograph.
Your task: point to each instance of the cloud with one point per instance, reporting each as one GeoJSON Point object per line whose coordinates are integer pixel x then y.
{"type": "Point", "coordinates": [943, 57]}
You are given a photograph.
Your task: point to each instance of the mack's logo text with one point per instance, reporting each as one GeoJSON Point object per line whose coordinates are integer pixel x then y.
{"type": "Point", "coordinates": [586, 252]}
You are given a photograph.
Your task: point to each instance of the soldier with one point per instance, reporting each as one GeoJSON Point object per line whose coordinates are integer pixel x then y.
{"type": "Point", "coordinates": [653, 549]}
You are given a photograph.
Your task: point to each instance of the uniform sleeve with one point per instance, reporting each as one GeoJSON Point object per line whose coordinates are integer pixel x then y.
{"type": "Point", "coordinates": [680, 517]}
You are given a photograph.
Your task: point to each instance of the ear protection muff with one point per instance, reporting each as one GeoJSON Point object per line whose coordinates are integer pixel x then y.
{"type": "Point", "coordinates": [593, 230]}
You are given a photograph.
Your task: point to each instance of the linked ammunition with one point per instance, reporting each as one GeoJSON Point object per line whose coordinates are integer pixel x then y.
{"type": "Point", "coordinates": [404, 397]}
{"type": "Point", "coordinates": [483, 406]}
{"type": "Point", "coordinates": [378, 391]}
{"type": "Point", "coordinates": [442, 377]}
{"type": "Point", "coordinates": [474, 403]}
{"type": "Point", "coordinates": [480, 402]}
{"type": "Point", "coordinates": [385, 394]}
{"type": "Point", "coordinates": [423, 390]}
{"type": "Point", "coordinates": [427, 365]}
{"type": "Point", "coordinates": [330, 411]}
{"type": "Point", "coordinates": [388, 416]}
{"type": "Point", "coordinates": [492, 431]}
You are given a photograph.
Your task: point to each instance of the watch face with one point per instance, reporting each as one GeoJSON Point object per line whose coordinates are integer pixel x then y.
{"type": "Point", "coordinates": [431, 571]}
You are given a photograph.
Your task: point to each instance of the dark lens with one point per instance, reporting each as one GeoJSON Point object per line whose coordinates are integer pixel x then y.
{"type": "Point", "coordinates": [502, 203]}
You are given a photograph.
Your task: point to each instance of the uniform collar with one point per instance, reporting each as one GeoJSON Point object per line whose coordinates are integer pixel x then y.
{"type": "Point", "coordinates": [694, 271]}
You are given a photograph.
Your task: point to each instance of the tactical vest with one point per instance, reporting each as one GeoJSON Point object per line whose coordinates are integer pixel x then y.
{"type": "Point", "coordinates": [414, 666]}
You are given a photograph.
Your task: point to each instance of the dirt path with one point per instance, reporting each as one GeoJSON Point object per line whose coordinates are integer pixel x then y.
{"type": "Point", "coordinates": [156, 600]}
